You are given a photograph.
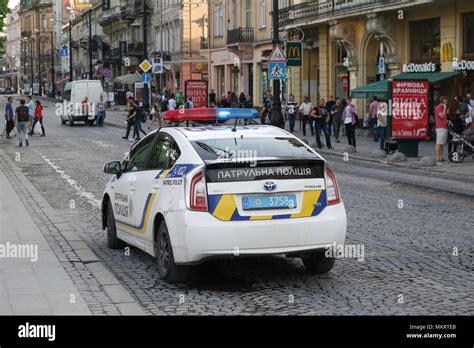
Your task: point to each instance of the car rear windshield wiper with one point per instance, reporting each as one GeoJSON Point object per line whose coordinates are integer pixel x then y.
{"type": "Point", "coordinates": [211, 149]}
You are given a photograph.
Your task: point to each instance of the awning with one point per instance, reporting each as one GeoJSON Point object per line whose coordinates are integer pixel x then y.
{"type": "Point", "coordinates": [377, 89]}
{"type": "Point", "coordinates": [380, 89]}
{"type": "Point", "coordinates": [127, 79]}
{"type": "Point", "coordinates": [431, 77]}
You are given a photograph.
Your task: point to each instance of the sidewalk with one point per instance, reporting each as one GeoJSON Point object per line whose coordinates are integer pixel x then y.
{"type": "Point", "coordinates": [29, 286]}
{"type": "Point", "coordinates": [58, 274]}
{"type": "Point", "coordinates": [365, 146]}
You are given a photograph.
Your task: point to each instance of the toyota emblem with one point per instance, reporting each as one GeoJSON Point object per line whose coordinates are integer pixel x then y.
{"type": "Point", "coordinates": [269, 186]}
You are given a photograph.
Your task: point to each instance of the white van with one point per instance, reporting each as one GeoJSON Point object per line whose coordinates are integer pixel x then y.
{"type": "Point", "coordinates": [74, 107]}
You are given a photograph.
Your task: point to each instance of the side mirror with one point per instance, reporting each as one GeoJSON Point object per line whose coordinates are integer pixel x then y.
{"type": "Point", "coordinates": [113, 167]}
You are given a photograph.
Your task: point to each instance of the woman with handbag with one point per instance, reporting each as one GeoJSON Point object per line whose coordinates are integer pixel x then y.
{"type": "Point", "coordinates": [38, 118]}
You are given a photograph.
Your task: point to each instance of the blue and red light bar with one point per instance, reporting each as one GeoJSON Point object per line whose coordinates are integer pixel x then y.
{"type": "Point", "coordinates": [210, 114]}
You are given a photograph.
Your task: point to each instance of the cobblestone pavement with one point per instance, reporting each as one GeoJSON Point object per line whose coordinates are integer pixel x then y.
{"type": "Point", "coordinates": [418, 242]}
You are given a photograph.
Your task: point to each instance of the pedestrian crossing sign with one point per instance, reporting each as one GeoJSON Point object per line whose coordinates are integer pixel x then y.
{"type": "Point", "coordinates": [277, 70]}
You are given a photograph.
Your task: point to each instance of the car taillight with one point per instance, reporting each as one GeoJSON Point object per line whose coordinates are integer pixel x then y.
{"type": "Point", "coordinates": [198, 192]}
{"type": "Point", "coordinates": [332, 190]}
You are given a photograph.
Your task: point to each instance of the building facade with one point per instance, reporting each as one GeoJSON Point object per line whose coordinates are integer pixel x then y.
{"type": "Point", "coordinates": [36, 46]}
{"type": "Point", "coordinates": [13, 49]}
{"type": "Point", "coordinates": [181, 31]}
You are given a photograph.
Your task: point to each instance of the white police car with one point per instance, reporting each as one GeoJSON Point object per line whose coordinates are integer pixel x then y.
{"type": "Point", "coordinates": [185, 194]}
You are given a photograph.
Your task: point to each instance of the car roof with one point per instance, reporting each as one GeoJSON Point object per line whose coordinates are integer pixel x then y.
{"type": "Point", "coordinates": [225, 131]}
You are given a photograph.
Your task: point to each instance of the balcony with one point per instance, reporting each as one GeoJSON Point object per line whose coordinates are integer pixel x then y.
{"type": "Point", "coordinates": [109, 15]}
{"type": "Point", "coordinates": [322, 10]}
{"type": "Point", "coordinates": [240, 36]}
{"type": "Point", "coordinates": [204, 43]}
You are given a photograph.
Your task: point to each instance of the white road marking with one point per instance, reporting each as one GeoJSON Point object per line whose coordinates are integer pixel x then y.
{"type": "Point", "coordinates": [81, 191]}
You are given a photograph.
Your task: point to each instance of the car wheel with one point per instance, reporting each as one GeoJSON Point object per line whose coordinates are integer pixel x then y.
{"type": "Point", "coordinates": [63, 121]}
{"type": "Point", "coordinates": [168, 269]}
{"type": "Point", "coordinates": [112, 241]}
{"type": "Point", "coordinates": [71, 122]}
{"type": "Point", "coordinates": [318, 263]}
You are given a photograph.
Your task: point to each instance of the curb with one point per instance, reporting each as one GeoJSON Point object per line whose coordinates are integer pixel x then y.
{"type": "Point", "coordinates": [82, 251]}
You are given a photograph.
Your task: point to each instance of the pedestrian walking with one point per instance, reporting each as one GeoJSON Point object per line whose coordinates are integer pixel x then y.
{"type": "Point", "coordinates": [101, 112]}
{"type": "Point", "coordinates": [9, 118]}
{"type": "Point", "coordinates": [189, 103]}
{"type": "Point", "coordinates": [292, 108]}
{"type": "Point", "coordinates": [305, 108]}
{"type": "Point", "coordinates": [38, 118]}
{"type": "Point", "coordinates": [320, 116]}
{"type": "Point", "coordinates": [171, 103]}
{"type": "Point", "coordinates": [155, 113]}
{"type": "Point", "coordinates": [328, 106]}
{"type": "Point", "coordinates": [31, 112]}
{"type": "Point", "coordinates": [350, 121]}
{"type": "Point", "coordinates": [234, 101]}
{"type": "Point", "coordinates": [373, 117]}
{"type": "Point", "coordinates": [382, 113]}
{"type": "Point", "coordinates": [242, 99]}
{"type": "Point", "coordinates": [139, 118]}
{"type": "Point", "coordinates": [441, 129]}
{"type": "Point", "coordinates": [336, 112]}
{"type": "Point", "coordinates": [179, 98]}
{"type": "Point", "coordinates": [132, 114]}
{"type": "Point", "coordinates": [22, 119]}
{"type": "Point", "coordinates": [212, 99]}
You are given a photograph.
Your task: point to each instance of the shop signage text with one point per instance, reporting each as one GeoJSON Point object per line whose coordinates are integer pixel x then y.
{"type": "Point", "coordinates": [410, 109]}
{"type": "Point", "coordinates": [197, 91]}
{"type": "Point", "coordinates": [460, 65]}
{"type": "Point", "coordinates": [417, 68]}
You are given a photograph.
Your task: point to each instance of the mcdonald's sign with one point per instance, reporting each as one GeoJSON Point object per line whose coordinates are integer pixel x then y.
{"type": "Point", "coordinates": [294, 53]}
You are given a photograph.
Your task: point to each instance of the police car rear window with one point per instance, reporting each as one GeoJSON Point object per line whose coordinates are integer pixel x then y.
{"type": "Point", "coordinates": [245, 149]}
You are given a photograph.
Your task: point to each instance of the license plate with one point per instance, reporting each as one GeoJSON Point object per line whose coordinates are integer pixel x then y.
{"type": "Point", "coordinates": [283, 201]}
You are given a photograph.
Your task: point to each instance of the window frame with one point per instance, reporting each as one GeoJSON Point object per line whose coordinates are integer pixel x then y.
{"type": "Point", "coordinates": [263, 15]}
{"type": "Point", "coordinates": [417, 36]}
{"type": "Point", "coordinates": [465, 37]}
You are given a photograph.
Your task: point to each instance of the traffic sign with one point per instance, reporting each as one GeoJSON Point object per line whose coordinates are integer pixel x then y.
{"type": "Point", "coordinates": [145, 65]}
{"type": "Point", "coordinates": [277, 70]}
{"type": "Point", "coordinates": [146, 77]}
{"type": "Point", "coordinates": [158, 66]}
{"type": "Point", "coordinates": [64, 52]}
{"type": "Point", "coordinates": [277, 54]}
{"type": "Point", "coordinates": [107, 73]}
{"type": "Point", "coordinates": [294, 53]}
{"type": "Point", "coordinates": [381, 65]}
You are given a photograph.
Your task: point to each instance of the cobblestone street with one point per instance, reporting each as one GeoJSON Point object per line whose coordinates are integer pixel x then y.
{"type": "Point", "coordinates": [418, 240]}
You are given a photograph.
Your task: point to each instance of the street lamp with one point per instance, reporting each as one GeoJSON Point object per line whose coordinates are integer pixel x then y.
{"type": "Point", "coordinates": [309, 46]}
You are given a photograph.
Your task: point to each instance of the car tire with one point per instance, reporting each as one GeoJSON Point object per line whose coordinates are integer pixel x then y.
{"type": "Point", "coordinates": [63, 121]}
{"type": "Point", "coordinates": [112, 241]}
{"type": "Point", "coordinates": [168, 269]}
{"type": "Point", "coordinates": [71, 122]}
{"type": "Point", "coordinates": [318, 263]}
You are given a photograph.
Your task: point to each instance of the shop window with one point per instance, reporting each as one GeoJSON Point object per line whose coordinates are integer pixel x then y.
{"type": "Point", "coordinates": [425, 36]}
{"type": "Point", "coordinates": [468, 34]}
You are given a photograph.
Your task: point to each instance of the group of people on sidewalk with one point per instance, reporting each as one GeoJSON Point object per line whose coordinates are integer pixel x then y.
{"type": "Point", "coordinates": [25, 117]}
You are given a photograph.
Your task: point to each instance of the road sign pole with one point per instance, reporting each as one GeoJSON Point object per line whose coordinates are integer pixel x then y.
{"type": "Point", "coordinates": [276, 117]}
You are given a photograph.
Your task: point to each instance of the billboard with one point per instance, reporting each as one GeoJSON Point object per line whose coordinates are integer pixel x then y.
{"type": "Point", "coordinates": [410, 109]}
{"type": "Point", "coordinates": [197, 91]}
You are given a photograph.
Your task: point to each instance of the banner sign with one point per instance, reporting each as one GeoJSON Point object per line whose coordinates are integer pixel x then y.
{"type": "Point", "coordinates": [294, 53]}
{"type": "Point", "coordinates": [410, 109]}
{"type": "Point", "coordinates": [197, 91]}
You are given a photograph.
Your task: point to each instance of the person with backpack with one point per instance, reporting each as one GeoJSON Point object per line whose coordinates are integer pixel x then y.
{"type": "Point", "coordinates": [140, 118]}
{"type": "Point", "coordinates": [22, 119]}
{"type": "Point", "coordinates": [38, 118]}
{"type": "Point", "coordinates": [320, 116]}
{"type": "Point", "coordinates": [350, 121]}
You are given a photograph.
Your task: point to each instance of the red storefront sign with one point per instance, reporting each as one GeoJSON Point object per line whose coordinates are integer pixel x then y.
{"type": "Point", "coordinates": [197, 91]}
{"type": "Point", "coordinates": [410, 109]}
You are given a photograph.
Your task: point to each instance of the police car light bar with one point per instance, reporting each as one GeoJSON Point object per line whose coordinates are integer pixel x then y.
{"type": "Point", "coordinates": [210, 114]}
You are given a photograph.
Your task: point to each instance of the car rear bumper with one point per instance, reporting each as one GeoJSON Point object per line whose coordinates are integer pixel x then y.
{"type": "Point", "coordinates": [208, 237]}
